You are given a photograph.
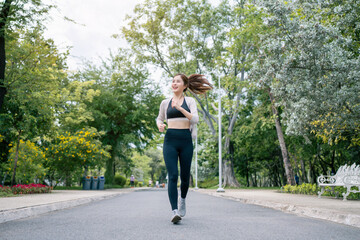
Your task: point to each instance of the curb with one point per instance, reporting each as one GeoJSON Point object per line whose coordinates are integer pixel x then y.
{"type": "Point", "coordinates": [318, 213]}
{"type": "Point", "coordinates": [19, 213]}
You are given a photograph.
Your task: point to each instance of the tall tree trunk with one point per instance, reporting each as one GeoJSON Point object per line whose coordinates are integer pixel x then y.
{"type": "Point", "coordinates": [312, 172]}
{"type": "Point", "coordinates": [109, 172]}
{"type": "Point", "coordinates": [333, 170]}
{"type": "Point", "coordinates": [86, 169]}
{"type": "Point", "coordinates": [303, 170]}
{"type": "Point", "coordinates": [3, 16]}
{"type": "Point", "coordinates": [255, 179]}
{"type": "Point", "coordinates": [68, 180]}
{"type": "Point", "coordinates": [287, 165]}
{"type": "Point", "coordinates": [247, 173]}
{"type": "Point", "coordinates": [16, 159]}
{"type": "Point", "coordinates": [229, 175]}
{"type": "Point", "coordinates": [296, 168]}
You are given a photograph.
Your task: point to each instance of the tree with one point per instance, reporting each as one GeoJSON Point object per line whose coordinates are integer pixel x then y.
{"type": "Point", "coordinates": [16, 14]}
{"type": "Point", "coordinates": [70, 152]}
{"type": "Point", "coordinates": [156, 164]}
{"type": "Point", "coordinates": [314, 65]}
{"type": "Point", "coordinates": [31, 161]}
{"type": "Point", "coordinates": [178, 36]}
{"type": "Point", "coordinates": [34, 73]}
{"type": "Point", "coordinates": [142, 166]}
{"type": "Point", "coordinates": [255, 136]}
{"type": "Point", "coordinates": [72, 104]}
{"type": "Point", "coordinates": [5, 9]}
{"type": "Point", "coordinates": [125, 109]}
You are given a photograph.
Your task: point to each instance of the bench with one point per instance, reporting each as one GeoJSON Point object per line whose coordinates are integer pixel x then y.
{"type": "Point", "coordinates": [346, 176]}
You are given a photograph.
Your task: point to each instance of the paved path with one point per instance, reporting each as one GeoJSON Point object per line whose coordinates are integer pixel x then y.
{"type": "Point", "coordinates": [326, 208]}
{"type": "Point", "coordinates": [29, 205]}
{"type": "Point", "coordinates": [146, 215]}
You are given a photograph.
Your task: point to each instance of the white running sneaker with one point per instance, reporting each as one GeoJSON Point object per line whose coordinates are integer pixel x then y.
{"type": "Point", "coordinates": [176, 217]}
{"type": "Point", "coordinates": [182, 207]}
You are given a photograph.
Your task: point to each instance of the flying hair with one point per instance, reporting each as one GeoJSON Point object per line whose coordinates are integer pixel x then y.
{"type": "Point", "coordinates": [197, 83]}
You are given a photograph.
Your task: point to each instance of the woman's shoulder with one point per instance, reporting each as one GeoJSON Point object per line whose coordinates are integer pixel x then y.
{"type": "Point", "coordinates": [190, 99]}
{"type": "Point", "coordinates": [165, 101]}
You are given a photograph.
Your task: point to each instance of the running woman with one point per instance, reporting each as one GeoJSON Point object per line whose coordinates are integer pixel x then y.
{"type": "Point", "coordinates": [181, 115]}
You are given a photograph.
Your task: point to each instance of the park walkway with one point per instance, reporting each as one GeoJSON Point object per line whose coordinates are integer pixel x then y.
{"type": "Point", "coordinates": [331, 209]}
{"type": "Point", "coordinates": [326, 208]}
{"type": "Point", "coordinates": [146, 215]}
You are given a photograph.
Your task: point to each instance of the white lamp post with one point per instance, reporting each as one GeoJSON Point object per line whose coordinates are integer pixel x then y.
{"type": "Point", "coordinates": [220, 189]}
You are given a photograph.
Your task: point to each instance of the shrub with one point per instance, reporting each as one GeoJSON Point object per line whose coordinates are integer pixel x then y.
{"type": "Point", "coordinates": [313, 189]}
{"type": "Point", "coordinates": [119, 180]}
{"type": "Point", "coordinates": [5, 189]}
{"type": "Point", "coordinates": [31, 188]}
{"type": "Point", "coordinates": [26, 189]}
{"type": "Point", "coordinates": [305, 188]}
{"type": "Point", "coordinates": [30, 162]}
{"type": "Point", "coordinates": [208, 183]}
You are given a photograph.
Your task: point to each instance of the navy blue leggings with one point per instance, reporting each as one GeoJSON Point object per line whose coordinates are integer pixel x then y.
{"type": "Point", "coordinates": [178, 146]}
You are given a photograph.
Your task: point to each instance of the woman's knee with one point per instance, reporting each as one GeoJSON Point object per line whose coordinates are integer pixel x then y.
{"type": "Point", "coordinates": [173, 177]}
{"type": "Point", "coordinates": [185, 181]}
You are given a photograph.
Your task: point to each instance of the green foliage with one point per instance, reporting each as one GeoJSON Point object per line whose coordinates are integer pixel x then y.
{"type": "Point", "coordinates": [73, 152]}
{"type": "Point", "coordinates": [305, 188]}
{"type": "Point", "coordinates": [73, 100]}
{"type": "Point", "coordinates": [313, 189]}
{"type": "Point", "coordinates": [311, 63]}
{"type": "Point", "coordinates": [157, 171]}
{"type": "Point", "coordinates": [209, 183]}
{"type": "Point", "coordinates": [24, 189]}
{"type": "Point", "coordinates": [26, 13]}
{"type": "Point", "coordinates": [33, 74]}
{"type": "Point", "coordinates": [306, 52]}
{"type": "Point", "coordinates": [124, 109]}
{"type": "Point", "coordinates": [120, 180]}
{"type": "Point", "coordinates": [30, 165]}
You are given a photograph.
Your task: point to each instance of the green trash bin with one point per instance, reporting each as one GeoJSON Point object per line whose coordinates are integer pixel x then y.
{"type": "Point", "coordinates": [101, 182]}
{"type": "Point", "coordinates": [94, 183]}
{"type": "Point", "coordinates": [86, 183]}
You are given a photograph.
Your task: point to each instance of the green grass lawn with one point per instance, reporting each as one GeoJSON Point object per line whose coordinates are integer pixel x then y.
{"type": "Point", "coordinates": [4, 194]}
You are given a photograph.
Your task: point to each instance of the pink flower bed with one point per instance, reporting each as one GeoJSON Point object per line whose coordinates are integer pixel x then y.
{"type": "Point", "coordinates": [26, 189]}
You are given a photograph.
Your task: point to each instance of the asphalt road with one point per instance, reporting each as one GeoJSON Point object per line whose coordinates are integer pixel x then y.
{"type": "Point", "coordinates": [146, 215]}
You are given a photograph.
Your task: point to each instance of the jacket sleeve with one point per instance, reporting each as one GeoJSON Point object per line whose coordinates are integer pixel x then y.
{"type": "Point", "coordinates": [161, 117]}
{"type": "Point", "coordinates": [194, 111]}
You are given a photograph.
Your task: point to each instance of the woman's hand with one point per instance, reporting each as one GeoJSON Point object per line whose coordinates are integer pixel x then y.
{"type": "Point", "coordinates": [161, 127]}
{"type": "Point", "coordinates": [175, 104]}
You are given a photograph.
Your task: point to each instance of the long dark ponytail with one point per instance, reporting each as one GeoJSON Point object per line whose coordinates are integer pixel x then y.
{"type": "Point", "coordinates": [197, 83]}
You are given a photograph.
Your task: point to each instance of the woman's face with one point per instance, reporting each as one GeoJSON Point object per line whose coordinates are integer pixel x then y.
{"type": "Point", "coordinates": [177, 85]}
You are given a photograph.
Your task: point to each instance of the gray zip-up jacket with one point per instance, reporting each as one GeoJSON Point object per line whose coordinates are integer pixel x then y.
{"type": "Point", "coordinates": [193, 110]}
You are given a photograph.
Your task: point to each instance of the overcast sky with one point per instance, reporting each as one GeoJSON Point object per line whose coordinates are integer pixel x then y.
{"type": "Point", "coordinates": [90, 38]}
{"type": "Point", "coordinates": [96, 21]}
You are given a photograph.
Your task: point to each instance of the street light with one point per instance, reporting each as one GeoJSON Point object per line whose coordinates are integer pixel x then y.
{"type": "Point", "coordinates": [220, 189]}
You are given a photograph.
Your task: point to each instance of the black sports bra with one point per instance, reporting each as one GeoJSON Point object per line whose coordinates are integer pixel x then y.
{"type": "Point", "coordinates": [174, 113]}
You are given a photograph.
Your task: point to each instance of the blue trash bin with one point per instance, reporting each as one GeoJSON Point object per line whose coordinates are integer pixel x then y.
{"type": "Point", "coordinates": [86, 183]}
{"type": "Point", "coordinates": [94, 183]}
{"type": "Point", "coordinates": [101, 182]}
